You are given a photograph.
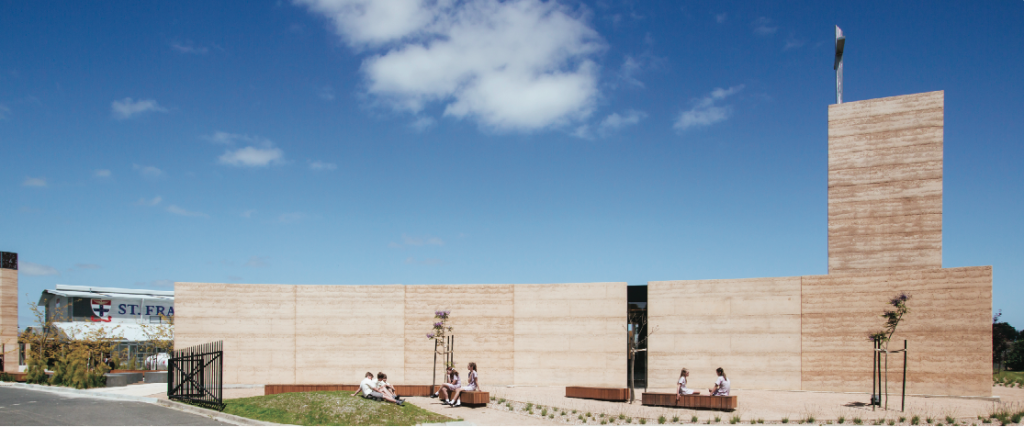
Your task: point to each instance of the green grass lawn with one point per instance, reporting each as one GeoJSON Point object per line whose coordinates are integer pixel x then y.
{"type": "Point", "coordinates": [329, 408]}
{"type": "Point", "coordinates": [1008, 375]}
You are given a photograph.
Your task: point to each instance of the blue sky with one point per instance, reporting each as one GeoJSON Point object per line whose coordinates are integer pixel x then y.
{"type": "Point", "coordinates": [344, 142]}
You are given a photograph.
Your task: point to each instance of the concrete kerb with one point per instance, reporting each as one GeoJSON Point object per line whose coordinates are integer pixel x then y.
{"type": "Point", "coordinates": [77, 392]}
{"type": "Point", "coordinates": [219, 416]}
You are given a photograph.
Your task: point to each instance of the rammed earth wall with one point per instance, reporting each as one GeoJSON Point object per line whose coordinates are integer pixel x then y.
{"type": "Point", "coordinates": [785, 333]}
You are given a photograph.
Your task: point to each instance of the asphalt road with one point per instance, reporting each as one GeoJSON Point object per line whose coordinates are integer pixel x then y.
{"type": "Point", "coordinates": [20, 407]}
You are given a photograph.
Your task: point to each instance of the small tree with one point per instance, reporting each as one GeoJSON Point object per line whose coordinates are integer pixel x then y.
{"type": "Point", "coordinates": [892, 320]}
{"type": "Point", "coordinates": [439, 333]}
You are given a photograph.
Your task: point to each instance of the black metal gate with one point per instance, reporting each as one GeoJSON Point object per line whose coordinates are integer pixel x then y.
{"type": "Point", "coordinates": [195, 375]}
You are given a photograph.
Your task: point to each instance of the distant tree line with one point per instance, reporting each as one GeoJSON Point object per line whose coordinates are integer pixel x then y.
{"type": "Point", "coordinates": [1007, 345]}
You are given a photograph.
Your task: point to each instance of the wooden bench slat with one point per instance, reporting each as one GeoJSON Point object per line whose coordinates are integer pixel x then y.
{"type": "Point", "coordinates": [598, 393]}
{"type": "Point", "coordinates": [725, 403]}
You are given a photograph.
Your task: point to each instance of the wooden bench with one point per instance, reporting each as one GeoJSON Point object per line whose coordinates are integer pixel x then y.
{"type": "Point", "coordinates": [475, 398]}
{"type": "Point", "coordinates": [722, 403]}
{"type": "Point", "coordinates": [598, 393]}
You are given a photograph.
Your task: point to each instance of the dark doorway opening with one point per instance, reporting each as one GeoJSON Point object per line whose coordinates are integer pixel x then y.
{"type": "Point", "coordinates": [636, 331]}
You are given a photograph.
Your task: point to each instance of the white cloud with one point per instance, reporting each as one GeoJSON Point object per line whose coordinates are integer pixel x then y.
{"type": "Point", "coordinates": [149, 202]}
{"type": "Point", "coordinates": [259, 152]}
{"type": "Point", "coordinates": [706, 111]}
{"type": "Point", "coordinates": [220, 137]}
{"type": "Point", "coordinates": [102, 173]}
{"type": "Point", "coordinates": [4, 112]}
{"type": "Point", "coordinates": [583, 131]}
{"type": "Point", "coordinates": [34, 182]}
{"type": "Point", "coordinates": [189, 48]}
{"type": "Point", "coordinates": [616, 121]}
{"type": "Point", "coordinates": [148, 171]}
{"type": "Point", "coordinates": [128, 108]}
{"type": "Point", "coordinates": [326, 93]}
{"type": "Point", "coordinates": [422, 123]}
{"type": "Point", "coordinates": [252, 156]}
{"type": "Point", "coordinates": [630, 67]}
{"type": "Point", "coordinates": [87, 266]}
{"type": "Point", "coordinates": [764, 26]}
{"type": "Point", "coordinates": [512, 65]}
{"type": "Point", "coordinates": [33, 269]}
{"type": "Point", "coordinates": [720, 18]}
{"type": "Point", "coordinates": [248, 213]}
{"type": "Point", "coordinates": [174, 209]}
{"type": "Point", "coordinates": [793, 43]}
{"type": "Point", "coordinates": [257, 262]}
{"type": "Point", "coordinates": [322, 166]}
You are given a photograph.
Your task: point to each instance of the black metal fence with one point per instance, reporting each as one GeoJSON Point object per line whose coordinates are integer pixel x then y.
{"type": "Point", "coordinates": [196, 375]}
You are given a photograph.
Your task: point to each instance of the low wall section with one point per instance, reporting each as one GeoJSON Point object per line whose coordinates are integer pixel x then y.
{"type": "Point", "coordinates": [517, 334]}
{"type": "Point", "coordinates": [811, 332]}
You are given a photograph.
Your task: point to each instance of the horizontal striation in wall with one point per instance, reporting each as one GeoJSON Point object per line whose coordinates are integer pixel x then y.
{"type": "Point", "coordinates": [344, 331]}
{"type": "Point", "coordinates": [256, 323]}
{"type": "Point", "coordinates": [9, 317]}
{"type": "Point", "coordinates": [570, 333]}
{"type": "Point", "coordinates": [749, 327]}
{"type": "Point", "coordinates": [885, 183]}
{"type": "Point", "coordinates": [948, 330]}
{"type": "Point", "coordinates": [482, 319]}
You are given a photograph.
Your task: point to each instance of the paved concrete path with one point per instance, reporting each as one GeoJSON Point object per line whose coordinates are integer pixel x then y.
{"type": "Point", "coordinates": [21, 407]}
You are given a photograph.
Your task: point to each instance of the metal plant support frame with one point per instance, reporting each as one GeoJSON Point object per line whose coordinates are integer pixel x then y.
{"type": "Point", "coordinates": [196, 375]}
{"type": "Point", "coordinates": [876, 376]}
{"type": "Point", "coordinates": [449, 357]}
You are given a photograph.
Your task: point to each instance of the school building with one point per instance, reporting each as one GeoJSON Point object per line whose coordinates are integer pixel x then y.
{"type": "Point", "coordinates": [885, 163]}
{"type": "Point", "coordinates": [885, 171]}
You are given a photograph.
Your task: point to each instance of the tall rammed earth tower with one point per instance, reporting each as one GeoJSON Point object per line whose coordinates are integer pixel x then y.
{"type": "Point", "coordinates": [885, 184]}
{"type": "Point", "coordinates": [9, 310]}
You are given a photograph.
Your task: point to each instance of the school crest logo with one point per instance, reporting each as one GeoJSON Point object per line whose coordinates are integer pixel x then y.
{"type": "Point", "coordinates": [100, 308]}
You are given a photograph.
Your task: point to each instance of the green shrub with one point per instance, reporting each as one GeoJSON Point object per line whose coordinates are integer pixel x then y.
{"type": "Point", "coordinates": [544, 413]}
{"type": "Point", "coordinates": [858, 421]}
{"type": "Point", "coordinates": [603, 422]}
{"type": "Point", "coordinates": [902, 419]}
{"type": "Point", "coordinates": [891, 422]}
{"type": "Point", "coordinates": [629, 420]}
{"type": "Point", "coordinates": [785, 420]}
{"type": "Point", "coordinates": [622, 416]}
{"type": "Point", "coordinates": [661, 419]}
{"type": "Point", "coordinates": [841, 420]}
{"type": "Point", "coordinates": [563, 413]}
{"type": "Point", "coordinates": [718, 419]}
{"type": "Point", "coordinates": [574, 411]}
{"type": "Point", "coordinates": [929, 420]}
{"type": "Point", "coordinates": [760, 420]}
{"type": "Point", "coordinates": [588, 415]}
{"type": "Point", "coordinates": [693, 419]}
{"type": "Point", "coordinates": [950, 420]}
{"type": "Point", "coordinates": [915, 420]}
{"type": "Point", "coordinates": [675, 419]}
{"type": "Point", "coordinates": [735, 419]}
{"type": "Point", "coordinates": [36, 373]}
{"type": "Point", "coordinates": [643, 421]}
{"type": "Point", "coordinates": [529, 406]}
{"type": "Point", "coordinates": [810, 419]}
